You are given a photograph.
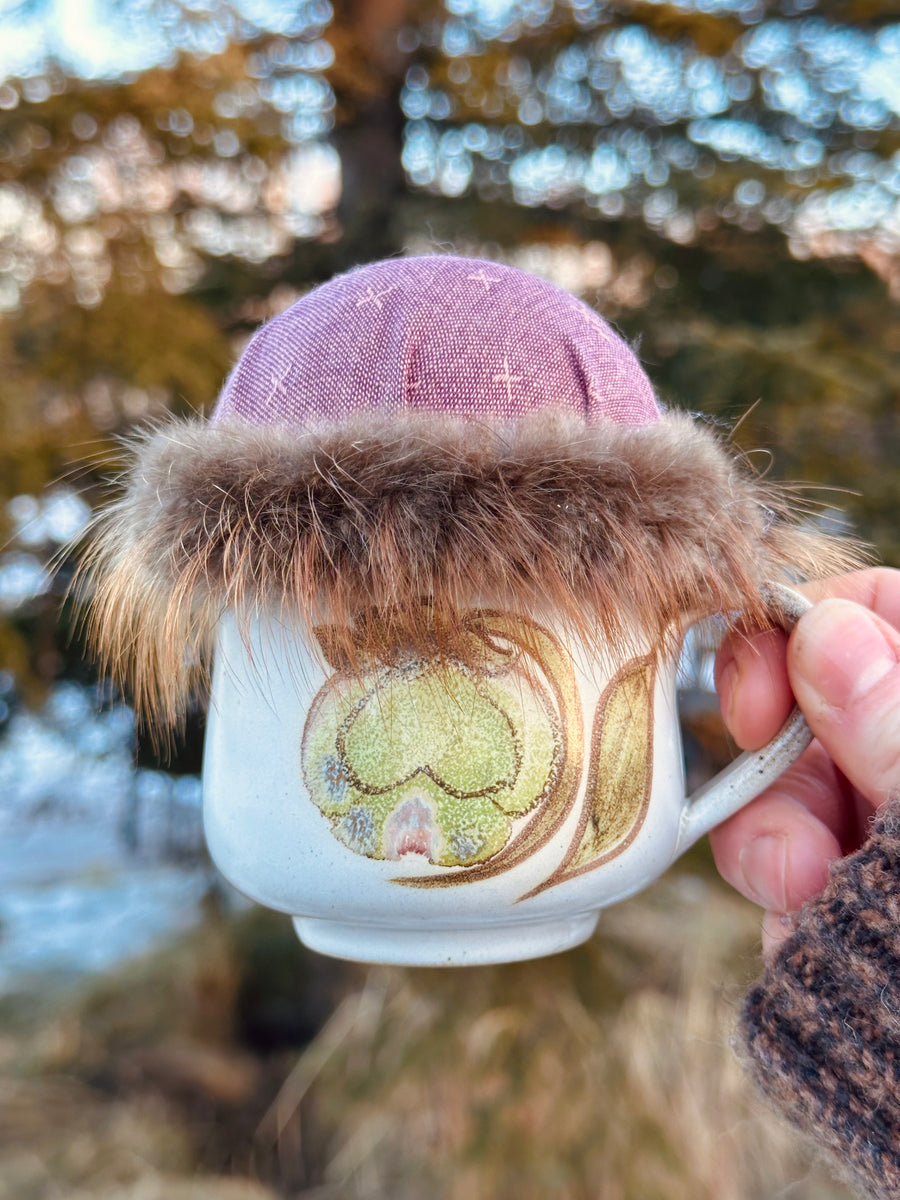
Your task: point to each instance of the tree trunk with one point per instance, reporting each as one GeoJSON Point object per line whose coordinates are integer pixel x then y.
{"type": "Point", "coordinates": [367, 79]}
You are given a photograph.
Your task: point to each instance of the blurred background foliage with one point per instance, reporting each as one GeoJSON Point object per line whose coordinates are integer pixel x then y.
{"type": "Point", "coordinates": [719, 178]}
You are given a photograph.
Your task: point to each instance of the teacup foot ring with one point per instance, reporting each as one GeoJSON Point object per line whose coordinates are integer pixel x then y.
{"type": "Point", "coordinates": [433, 946]}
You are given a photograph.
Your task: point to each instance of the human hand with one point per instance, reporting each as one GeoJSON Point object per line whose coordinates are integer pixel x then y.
{"type": "Point", "coordinates": [842, 663]}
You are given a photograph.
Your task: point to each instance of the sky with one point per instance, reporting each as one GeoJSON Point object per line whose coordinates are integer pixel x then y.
{"type": "Point", "coordinates": [87, 38]}
{"type": "Point", "coordinates": [73, 31]}
{"type": "Point", "coordinates": [91, 40]}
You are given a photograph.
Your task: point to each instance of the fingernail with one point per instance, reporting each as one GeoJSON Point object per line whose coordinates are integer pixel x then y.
{"type": "Point", "coordinates": [776, 929]}
{"type": "Point", "coordinates": [727, 675]}
{"type": "Point", "coordinates": [763, 865]}
{"type": "Point", "coordinates": [737, 655]}
{"type": "Point", "coordinates": [841, 650]}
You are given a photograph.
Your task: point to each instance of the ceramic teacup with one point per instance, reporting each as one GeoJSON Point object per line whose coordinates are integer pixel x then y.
{"type": "Point", "coordinates": [440, 813]}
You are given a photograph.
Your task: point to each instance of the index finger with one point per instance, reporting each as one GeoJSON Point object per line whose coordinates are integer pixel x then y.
{"type": "Point", "coordinates": [751, 675]}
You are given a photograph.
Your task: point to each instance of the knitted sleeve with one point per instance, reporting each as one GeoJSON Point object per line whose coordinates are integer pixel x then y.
{"type": "Point", "coordinates": [822, 1026]}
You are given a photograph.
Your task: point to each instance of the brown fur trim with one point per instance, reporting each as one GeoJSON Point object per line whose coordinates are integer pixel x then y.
{"type": "Point", "coordinates": [388, 530]}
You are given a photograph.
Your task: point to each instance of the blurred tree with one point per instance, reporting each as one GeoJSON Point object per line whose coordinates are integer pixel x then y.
{"type": "Point", "coordinates": [721, 179]}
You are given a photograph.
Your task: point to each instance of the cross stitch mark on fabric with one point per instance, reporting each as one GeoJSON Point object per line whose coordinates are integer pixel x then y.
{"type": "Point", "coordinates": [373, 297]}
{"type": "Point", "coordinates": [507, 378]}
{"type": "Point", "coordinates": [481, 277]}
{"type": "Point", "coordinates": [276, 382]}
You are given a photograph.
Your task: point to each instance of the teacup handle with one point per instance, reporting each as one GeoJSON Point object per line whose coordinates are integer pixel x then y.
{"type": "Point", "coordinates": [753, 771]}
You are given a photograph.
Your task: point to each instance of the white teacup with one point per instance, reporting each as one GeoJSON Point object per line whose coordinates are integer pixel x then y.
{"type": "Point", "coordinates": [455, 816]}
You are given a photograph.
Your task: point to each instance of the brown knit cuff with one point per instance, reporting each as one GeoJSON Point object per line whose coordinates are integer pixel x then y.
{"type": "Point", "coordinates": [822, 1026]}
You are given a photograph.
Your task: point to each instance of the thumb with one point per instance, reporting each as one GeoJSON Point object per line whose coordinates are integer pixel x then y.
{"type": "Point", "coordinates": [844, 668]}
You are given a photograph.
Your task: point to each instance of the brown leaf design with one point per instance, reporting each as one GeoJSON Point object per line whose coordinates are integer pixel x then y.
{"type": "Point", "coordinates": [619, 777]}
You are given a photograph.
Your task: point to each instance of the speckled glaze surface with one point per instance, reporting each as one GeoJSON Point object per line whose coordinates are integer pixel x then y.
{"type": "Point", "coordinates": [459, 816]}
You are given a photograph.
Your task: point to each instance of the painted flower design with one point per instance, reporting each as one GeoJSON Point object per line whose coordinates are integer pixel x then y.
{"type": "Point", "coordinates": [479, 766]}
{"type": "Point", "coordinates": [438, 757]}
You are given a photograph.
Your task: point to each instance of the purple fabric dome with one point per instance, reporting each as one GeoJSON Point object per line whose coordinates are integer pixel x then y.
{"type": "Point", "coordinates": [459, 336]}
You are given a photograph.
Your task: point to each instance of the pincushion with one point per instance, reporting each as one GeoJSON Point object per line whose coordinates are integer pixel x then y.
{"type": "Point", "coordinates": [410, 437]}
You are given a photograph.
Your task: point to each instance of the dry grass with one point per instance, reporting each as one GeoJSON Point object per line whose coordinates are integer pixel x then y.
{"type": "Point", "coordinates": [603, 1074]}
